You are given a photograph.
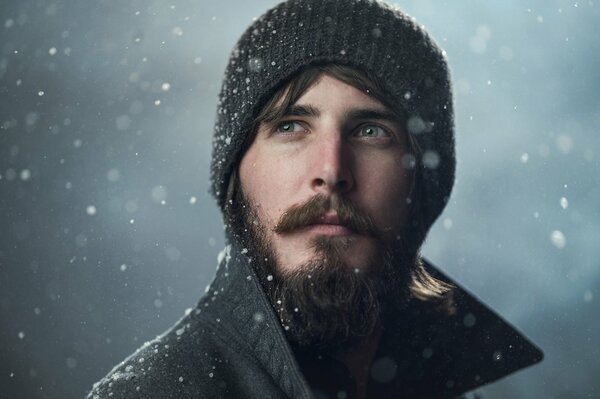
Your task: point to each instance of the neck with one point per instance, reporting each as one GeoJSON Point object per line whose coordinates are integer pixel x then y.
{"type": "Point", "coordinates": [359, 359]}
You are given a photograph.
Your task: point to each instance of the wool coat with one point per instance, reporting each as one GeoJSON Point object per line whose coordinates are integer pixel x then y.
{"type": "Point", "coordinates": [231, 345]}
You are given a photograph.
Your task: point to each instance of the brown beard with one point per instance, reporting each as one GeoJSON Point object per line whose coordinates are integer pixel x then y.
{"type": "Point", "coordinates": [325, 304]}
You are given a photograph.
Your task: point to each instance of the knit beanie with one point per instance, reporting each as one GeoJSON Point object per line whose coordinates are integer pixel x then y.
{"type": "Point", "coordinates": [368, 35]}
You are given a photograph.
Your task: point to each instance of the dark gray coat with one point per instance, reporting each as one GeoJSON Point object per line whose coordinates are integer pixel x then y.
{"type": "Point", "coordinates": [231, 345]}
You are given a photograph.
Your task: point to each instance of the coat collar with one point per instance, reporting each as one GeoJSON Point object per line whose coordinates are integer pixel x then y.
{"type": "Point", "coordinates": [454, 353]}
{"type": "Point", "coordinates": [461, 349]}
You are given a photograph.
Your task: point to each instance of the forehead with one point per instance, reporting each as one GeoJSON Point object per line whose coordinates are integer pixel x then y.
{"type": "Point", "coordinates": [330, 92]}
{"type": "Point", "coordinates": [324, 91]}
{"type": "Point", "coordinates": [290, 92]}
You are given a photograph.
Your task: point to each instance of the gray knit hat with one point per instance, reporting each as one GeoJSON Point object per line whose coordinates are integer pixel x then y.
{"type": "Point", "coordinates": [368, 35]}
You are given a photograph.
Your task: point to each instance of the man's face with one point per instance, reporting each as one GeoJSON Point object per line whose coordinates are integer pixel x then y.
{"type": "Point", "coordinates": [338, 145]}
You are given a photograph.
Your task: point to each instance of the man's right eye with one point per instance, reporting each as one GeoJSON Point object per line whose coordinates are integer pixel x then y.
{"type": "Point", "coordinates": [289, 127]}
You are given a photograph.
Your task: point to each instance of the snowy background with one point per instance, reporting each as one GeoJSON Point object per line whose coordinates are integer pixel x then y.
{"type": "Point", "coordinates": [107, 232]}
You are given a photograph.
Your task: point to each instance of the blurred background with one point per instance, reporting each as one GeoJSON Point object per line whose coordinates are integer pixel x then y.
{"type": "Point", "coordinates": [107, 231]}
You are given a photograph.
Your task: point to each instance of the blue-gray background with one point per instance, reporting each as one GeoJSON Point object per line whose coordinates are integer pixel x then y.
{"type": "Point", "coordinates": [107, 233]}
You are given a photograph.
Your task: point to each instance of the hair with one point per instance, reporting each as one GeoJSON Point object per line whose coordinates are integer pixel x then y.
{"type": "Point", "coordinates": [423, 285]}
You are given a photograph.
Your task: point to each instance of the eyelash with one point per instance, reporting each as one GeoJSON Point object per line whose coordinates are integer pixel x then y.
{"type": "Point", "coordinates": [373, 125]}
{"type": "Point", "coordinates": [291, 122]}
{"type": "Point", "coordinates": [276, 128]}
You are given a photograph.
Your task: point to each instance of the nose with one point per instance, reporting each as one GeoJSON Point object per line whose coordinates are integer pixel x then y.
{"type": "Point", "coordinates": [331, 171]}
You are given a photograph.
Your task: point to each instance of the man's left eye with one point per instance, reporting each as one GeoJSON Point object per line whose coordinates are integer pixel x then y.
{"type": "Point", "coordinates": [289, 127]}
{"type": "Point", "coordinates": [373, 131]}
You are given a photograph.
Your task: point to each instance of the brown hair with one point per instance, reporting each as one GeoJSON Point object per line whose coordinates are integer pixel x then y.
{"type": "Point", "coordinates": [423, 285]}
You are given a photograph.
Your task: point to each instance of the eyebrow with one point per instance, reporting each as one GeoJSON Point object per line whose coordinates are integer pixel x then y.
{"type": "Point", "coordinates": [366, 113]}
{"type": "Point", "coordinates": [279, 113]}
{"type": "Point", "coordinates": [301, 110]}
{"type": "Point", "coordinates": [377, 114]}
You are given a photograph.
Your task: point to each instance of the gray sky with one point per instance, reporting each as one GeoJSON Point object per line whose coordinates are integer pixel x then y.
{"type": "Point", "coordinates": [107, 232]}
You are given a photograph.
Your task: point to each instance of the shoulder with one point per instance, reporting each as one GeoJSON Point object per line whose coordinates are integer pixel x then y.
{"type": "Point", "coordinates": [194, 356]}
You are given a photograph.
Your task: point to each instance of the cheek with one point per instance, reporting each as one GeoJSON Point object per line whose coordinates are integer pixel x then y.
{"type": "Point", "coordinates": [387, 189]}
{"type": "Point", "coordinates": [263, 181]}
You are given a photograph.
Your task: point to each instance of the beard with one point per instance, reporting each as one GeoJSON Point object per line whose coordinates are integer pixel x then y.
{"type": "Point", "coordinates": [325, 304]}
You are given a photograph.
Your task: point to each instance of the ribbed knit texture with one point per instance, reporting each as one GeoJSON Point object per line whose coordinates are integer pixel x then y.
{"type": "Point", "coordinates": [365, 34]}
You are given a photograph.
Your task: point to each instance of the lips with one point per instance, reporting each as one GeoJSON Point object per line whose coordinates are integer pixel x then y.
{"type": "Point", "coordinates": [329, 224]}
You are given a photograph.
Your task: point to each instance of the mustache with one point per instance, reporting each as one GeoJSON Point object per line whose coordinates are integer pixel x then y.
{"type": "Point", "coordinates": [309, 212]}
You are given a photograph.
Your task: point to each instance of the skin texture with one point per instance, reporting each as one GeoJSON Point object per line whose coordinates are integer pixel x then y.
{"type": "Point", "coordinates": [334, 148]}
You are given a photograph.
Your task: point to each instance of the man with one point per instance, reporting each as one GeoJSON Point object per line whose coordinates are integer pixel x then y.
{"type": "Point", "coordinates": [333, 155]}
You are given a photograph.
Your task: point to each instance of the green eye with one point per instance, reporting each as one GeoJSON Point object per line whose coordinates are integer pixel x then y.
{"type": "Point", "coordinates": [289, 127]}
{"type": "Point", "coordinates": [373, 131]}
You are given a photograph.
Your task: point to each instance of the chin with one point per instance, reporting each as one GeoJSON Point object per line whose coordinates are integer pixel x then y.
{"type": "Point", "coordinates": [356, 253]}
{"type": "Point", "coordinates": [352, 252]}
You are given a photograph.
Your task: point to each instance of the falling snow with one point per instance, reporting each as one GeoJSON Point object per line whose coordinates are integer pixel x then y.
{"type": "Point", "coordinates": [558, 239]}
{"type": "Point", "coordinates": [105, 157]}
